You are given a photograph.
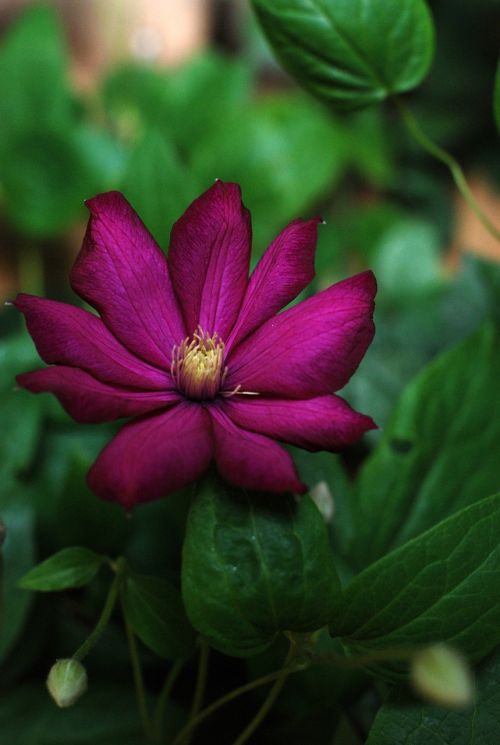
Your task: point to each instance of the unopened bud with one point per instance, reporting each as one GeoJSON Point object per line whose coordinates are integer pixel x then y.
{"type": "Point", "coordinates": [322, 497]}
{"type": "Point", "coordinates": [67, 681]}
{"type": "Point", "coordinates": [441, 675]}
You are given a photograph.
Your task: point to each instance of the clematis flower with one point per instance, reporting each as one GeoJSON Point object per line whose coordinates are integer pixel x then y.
{"type": "Point", "coordinates": [193, 350]}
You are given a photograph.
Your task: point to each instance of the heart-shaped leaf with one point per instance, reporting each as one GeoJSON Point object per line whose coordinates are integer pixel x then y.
{"type": "Point", "coordinates": [351, 53]}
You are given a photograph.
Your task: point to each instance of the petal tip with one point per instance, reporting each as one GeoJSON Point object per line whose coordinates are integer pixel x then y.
{"type": "Point", "coordinates": [104, 200]}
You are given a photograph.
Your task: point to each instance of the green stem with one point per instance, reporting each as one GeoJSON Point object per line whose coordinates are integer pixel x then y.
{"type": "Point", "coordinates": [289, 668]}
{"type": "Point", "coordinates": [228, 697]}
{"type": "Point", "coordinates": [268, 702]}
{"type": "Point", "coordinates": [456, 171]}
{"type": "Point", "coordinates": [397, 654]}
{"type": "Point", "coordinates": [139, 682]}
{"type": "Point", "coordinates": [107, 610]}
{"type": "Point", "coordinates": [164, 697]}
{"type": "Point", "coordinates": [199, 691]}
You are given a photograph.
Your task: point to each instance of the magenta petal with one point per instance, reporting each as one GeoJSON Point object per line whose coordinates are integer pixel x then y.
{"type": "Point", "coordinates": [311, 349]}
{"type": "Point", "coordinates": [122, 272]}
{"type": "Point", "coordinates": [250, 460]}
{"type": "Point", "coordinates": [154, 456]}
{"type": "Point", "coordinates": [323, 423]}
{"type": "Point", "coordinates": [88, 400]}
{"type": "Point", "coordinates": [209, 259]}
{"type": "Point", "coordinates": [66, 335]}
{"type": "Point", "coordinates": [286, 268]}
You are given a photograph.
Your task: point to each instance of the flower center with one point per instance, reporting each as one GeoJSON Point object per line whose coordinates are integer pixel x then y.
{"type": "Point", "coordinates": [198, 365]}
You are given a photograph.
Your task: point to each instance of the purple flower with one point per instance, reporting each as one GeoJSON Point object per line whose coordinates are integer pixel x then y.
{"type": "Point", "coordinates": [193, 350]}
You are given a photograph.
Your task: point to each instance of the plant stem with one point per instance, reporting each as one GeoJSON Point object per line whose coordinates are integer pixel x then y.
{"type": "Point", "coordinates": [107, 610]}
{"type": "Point", "coordinates": [268, 702]}
{"type": "Point", "coordinates": [228, 697]}
{"type": "Point", "coordinates": [199, 691]}
{"type": "Point", "coordinates": [164, 697]}
{"type": "Point", "coordinates": [290, 667]}
{"type": "Point", "coordinates": [139, 682]}
{"type": "Point", "coordinates": [456, 171]}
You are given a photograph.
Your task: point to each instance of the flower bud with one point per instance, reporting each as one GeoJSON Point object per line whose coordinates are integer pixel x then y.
{"type": "Point", "coordinates": [441, 675]}
{"type": "Point", "coordinates": [322, 497]}
{"type": "Point", "coordinates": [67, 681]}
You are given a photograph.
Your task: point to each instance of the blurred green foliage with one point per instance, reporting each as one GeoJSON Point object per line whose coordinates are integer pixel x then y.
{"type": "Point", "coordinates": [162, 136]}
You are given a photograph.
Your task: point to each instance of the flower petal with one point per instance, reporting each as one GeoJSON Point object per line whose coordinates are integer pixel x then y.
{"type": "Point", "coordinates": [323, 423]}
{"type": "Point", "coordinates": [153, 456]}
{"type": "Point", "coordinates": [250, 460]}
{"type": "Point", "coordinates": [311, 349]}
{"type": "Point", "coordinates": [209, 259]}
{"type": "Point", "coordinates": [88, 400]}
{"type": "Point", "coordinates": [122, 272]}
{"type": "Point", "coordinates": [286, 268]}
{"type": "Point", "coordinates": [66, 335]}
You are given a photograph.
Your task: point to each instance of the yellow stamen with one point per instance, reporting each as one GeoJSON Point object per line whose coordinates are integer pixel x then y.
{"type": "Point", "coordinates": [198, 365]}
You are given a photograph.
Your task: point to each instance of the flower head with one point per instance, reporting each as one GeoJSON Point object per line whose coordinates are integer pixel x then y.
{"type": "Point", "coordinates": [192, 350]}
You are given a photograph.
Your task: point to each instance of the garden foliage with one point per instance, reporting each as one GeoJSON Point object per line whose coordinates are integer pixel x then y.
{"type": "Point", "coordinates": [397, 544]}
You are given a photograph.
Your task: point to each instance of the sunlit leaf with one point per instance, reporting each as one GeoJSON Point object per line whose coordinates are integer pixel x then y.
{"type": "Point", "coordinates": [71, 567]}
{"type": "Point", "coordinates": [350, 52]}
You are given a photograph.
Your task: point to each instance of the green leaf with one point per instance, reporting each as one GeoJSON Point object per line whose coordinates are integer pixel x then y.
{"type": "Point", "coordinates": [158, 185]}
{"type": "Point", "coordinates": [154, 609]}
{"type": "Point", "coordinates": [17, 557]}
{"type": "Point", "coordinates": [45, 178]}
{"type": "Point", "coordinates": [106, 715]}
{"type": "Point", "coordinates": [79, 517]}
{"type": "Point", "coordinates": [326, 469]}
{"type": "Point", "coordinates": [21, 426]}
{"type": "Point", "coordinates": [33, 74]}
{"type": "Point", "coordinates": [408, 263]}
{"type": "Point", "coordinates": [283, 150]}
{"type": "Point", "coordinates": [17, 353]}
{"type": "Point", "coordinates": [441, 586]}
{"type": "Point", "coordinates": [350, 53]}
{"type": "Point", "coordinates": [178, 103]}
{"type": "Point", "coordinates": [435, 455]}
{"type": "Point", "coordinates": [71, 567]}
{"type": "Point", "coordinates": [254, 566]}
{"type": "Point", "coordinates": [403, 719]}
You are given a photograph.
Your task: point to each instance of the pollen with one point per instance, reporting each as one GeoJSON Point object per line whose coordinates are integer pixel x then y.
{"type": "Point", "coordinates": [197, 365]}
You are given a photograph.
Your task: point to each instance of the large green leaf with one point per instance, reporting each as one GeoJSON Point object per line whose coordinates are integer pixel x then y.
{"type": "Point", "coordinates": [283, 150]}
{"type": "Point", "coordinates": [17, 557]}
{"type": "Point", "coordinates": [255, 565]}
{"type": "Point", "coordinates": [17, 354]}
{"type": "Point", "coordinates": [21, 425]}
{"type": "Point", "coordinates": [32, 74]}
{"type": "Point", "coordinates": [154, 609]}
{"type": "Point", "coordinates": [71, 567]}
{"type": "Point", "coordinates": [403, 719]}
{"type": "Point", "coordinates": [350, 52]}
{"type": "Point", "coordinates": [48, 163]}
{"type": "Point", "coordinates": [408, 263]}
{"type": "Point", "coordinates": [441, 586]}
{"type": "Point", "coordinates": [436, 454]}
{"type": "Point", "coordinates": [80, 518]}
{"type": "Point", "coordinates": [46, 175]}
{"type": "Point", "coordinates": [158, 185]}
